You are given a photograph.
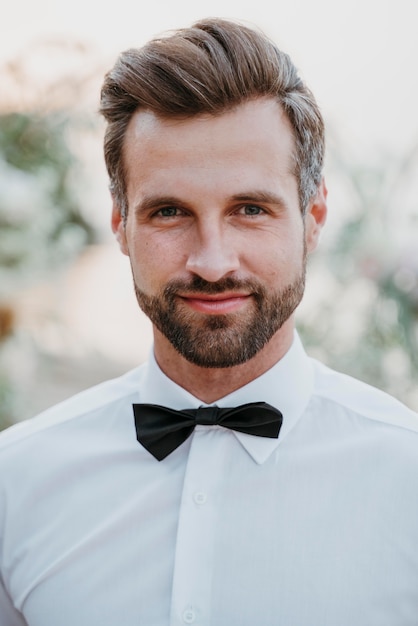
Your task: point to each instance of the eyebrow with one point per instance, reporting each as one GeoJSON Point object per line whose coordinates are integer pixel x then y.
{"type": "Point", "coordinates": [263, 197]}
{"type": "Point", "coordinates": [152, 202]}
{"type": "Point", "coordinates": [257, 196]}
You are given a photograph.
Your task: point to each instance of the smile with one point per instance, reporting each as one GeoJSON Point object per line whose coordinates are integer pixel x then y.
{"type": "Point", "coordinates": [220, 304]}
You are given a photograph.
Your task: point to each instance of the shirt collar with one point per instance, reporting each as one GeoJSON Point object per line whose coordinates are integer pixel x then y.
{"type": "Point", "coordinates": [287, 386]}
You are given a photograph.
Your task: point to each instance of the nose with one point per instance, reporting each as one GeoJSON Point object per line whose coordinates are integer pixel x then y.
{"type": "Point", "coordinates": [212, 255]}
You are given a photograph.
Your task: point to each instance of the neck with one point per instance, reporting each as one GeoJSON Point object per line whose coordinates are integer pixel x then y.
{"type": "Point", "coordinates": [210, 384]}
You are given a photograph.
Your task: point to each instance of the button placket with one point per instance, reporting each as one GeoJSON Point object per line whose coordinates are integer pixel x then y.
{"type": "Point", "coordinates": [196, 534]}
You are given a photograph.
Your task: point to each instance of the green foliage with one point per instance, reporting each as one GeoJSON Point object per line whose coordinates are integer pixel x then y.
{"type": "Point", "coordinates": [30, 142]}
{"type": "Point", "coordinates": [365, 321]}
{"type": "Point", "coordinates": [6, 402]}
{"type": "Point", "coordinates": [41, 224]}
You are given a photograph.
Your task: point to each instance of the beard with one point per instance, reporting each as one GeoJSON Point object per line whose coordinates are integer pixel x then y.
{"type": "Point", "coordinates": [220, 341]}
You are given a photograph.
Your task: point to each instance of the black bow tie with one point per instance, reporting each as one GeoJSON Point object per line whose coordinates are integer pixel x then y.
{"type": "Point", "coordinates": [161, 430]}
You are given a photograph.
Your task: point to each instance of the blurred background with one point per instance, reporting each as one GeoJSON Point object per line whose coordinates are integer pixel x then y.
{"type": "Point", "coordinates": [68, 317]}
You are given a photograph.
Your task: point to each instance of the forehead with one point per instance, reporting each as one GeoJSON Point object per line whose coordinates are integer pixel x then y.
{"type": "Point", "coordinates": [256, 121]}
{"type": "Point", "coordinates": [252, 141]}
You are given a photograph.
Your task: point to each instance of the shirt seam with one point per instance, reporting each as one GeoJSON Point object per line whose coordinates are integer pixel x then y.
{"type": "Point", "coordinates": [357, 413]}
{"type": "Point", "coordinates": [21, 437]}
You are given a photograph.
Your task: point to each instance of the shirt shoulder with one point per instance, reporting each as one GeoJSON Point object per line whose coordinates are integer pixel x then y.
{"type": "Point", "coordinates": [94, 399]}
{"type": "Point", "coordinates": [361, 399]}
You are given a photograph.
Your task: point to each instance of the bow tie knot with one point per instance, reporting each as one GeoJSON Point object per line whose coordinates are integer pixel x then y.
{"type": "Point", "coordinates": [161, 429]}
{"type": "Point", "coordinates": [207, 416]}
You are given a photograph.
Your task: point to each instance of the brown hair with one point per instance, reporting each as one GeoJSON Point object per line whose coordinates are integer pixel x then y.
{"type": "Point", "coordinates": [209, 68]}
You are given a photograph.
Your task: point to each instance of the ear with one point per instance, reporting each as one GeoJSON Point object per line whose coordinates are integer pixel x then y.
{"type": "Point", "coordinates": [118, 227]}
{"type": "Point", "coordinates": [315, 217]}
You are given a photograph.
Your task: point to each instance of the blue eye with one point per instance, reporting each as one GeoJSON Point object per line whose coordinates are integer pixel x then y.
{"type": "Point", "coordinates": [251, 209]}
{"type": "Point", "coordinates": [168, 211]}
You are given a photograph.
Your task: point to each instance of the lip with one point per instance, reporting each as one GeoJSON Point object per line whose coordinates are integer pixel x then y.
{"type": "Point", "coordinates": [218, 304]}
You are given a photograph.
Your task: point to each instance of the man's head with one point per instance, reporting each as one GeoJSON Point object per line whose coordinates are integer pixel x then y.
{"type": "Point", "coordinates": [211, 68]}
{"type": "Point", "coordinates": [214, 149]}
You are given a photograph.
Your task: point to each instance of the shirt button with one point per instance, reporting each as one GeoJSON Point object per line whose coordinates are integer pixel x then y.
{"type": "Point", "coordinates": [189, 616]}
{"type": "Point", "coordinates": [200, 497]}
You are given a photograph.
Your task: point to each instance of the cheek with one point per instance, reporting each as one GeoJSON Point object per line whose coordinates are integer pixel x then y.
{"type": "Point", "coordinates": [141, 260]}
{"type": "Point", "coordinates": [279, 256]}
{"type": "Point", "coordinates": [154, 261]}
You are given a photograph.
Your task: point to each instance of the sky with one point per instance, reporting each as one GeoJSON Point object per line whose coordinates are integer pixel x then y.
{"type": "Point", "coordinates": [358, 57]}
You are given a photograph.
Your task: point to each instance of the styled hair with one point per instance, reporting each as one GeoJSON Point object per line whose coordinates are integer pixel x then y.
{"type": "Point", "coordinates": [211, 67]}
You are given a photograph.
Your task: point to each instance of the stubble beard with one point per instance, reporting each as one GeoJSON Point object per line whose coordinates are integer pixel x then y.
{"type": "Point", "coordinates": [221, 341]}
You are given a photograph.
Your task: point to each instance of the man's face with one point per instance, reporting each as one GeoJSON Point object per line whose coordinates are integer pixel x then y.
{"type": "Point", "coordinates": [214, 230]}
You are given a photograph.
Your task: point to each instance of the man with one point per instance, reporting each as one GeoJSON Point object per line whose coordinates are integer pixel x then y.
{"type": "Point", "coordinates": [297, 509]}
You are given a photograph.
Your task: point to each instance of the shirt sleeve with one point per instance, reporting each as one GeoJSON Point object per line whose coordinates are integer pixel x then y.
{"type": "Point", "coordinates": [9, 616]}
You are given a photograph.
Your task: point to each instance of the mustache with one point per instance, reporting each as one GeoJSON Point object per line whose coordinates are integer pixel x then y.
{"type": "Point", "coordinates": [204, 287]}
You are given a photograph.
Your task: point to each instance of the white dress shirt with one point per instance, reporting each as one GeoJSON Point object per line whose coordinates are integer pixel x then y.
{"type": "Point", "coordinates": [317, 528]}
